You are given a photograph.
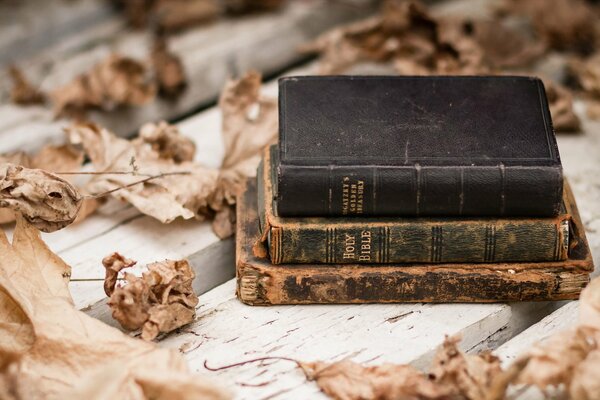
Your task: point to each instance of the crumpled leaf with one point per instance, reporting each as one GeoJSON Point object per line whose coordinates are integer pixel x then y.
{"type": "Point", "coordinates": [587, 73]}
{"type": "Point", "coordinates": [346, 380]}
{"type": "Point", "coordinates": [50, 158]}
{"type": "Point", "coordinates": [501, 46]}
{"type": "Point", "coordinates": [179, 186]}
{"type": "Point", "coordinates": [113, 264]}
{"type": "Point", "coordinates": [167, 142]}
{"type": "Point", "coordinates": [176, 15]}
{"type": "Point", "coordinates": [182, 189]}
{"type": "Point", "coordinates": [466, 376]}
{"type": "Point", "coordinates": [168, 69]}
{"type": "Point", "coordinates": [249, 124]}
{"type": "Point", "coordinates": [161, 300]}
{"type": "Point", "coordinates": [566, 360]}
{"type": "Point", "coordinates": [116, 81]}
{"type": "Point", "coordinates": [562, 24]}
{"type": "Point", "coordinates": [405, 35]}
{"type": "Point", "coordinates": [453, 374]}
{"type": "Point", "coordinates": [560, 101]}
{"type": "Point", "coordinates": [51, 350]}
{"type": "Point", "coordinates": [23, 92]}
{"type": "Point", "coordinates": [45, 200]}
{"type": "Point", "coordinates": [247, 6]}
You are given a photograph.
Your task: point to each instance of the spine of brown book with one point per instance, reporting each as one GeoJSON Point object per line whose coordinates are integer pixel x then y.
{"type": "Point", "coordinates": [267, 285]}
{"type": "Point", "coordinates": [406, 240]}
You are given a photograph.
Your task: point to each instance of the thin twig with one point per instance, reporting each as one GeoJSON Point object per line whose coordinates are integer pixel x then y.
{"type": "Point", "coordinates": [251, 361]}
{"type": "Point", "coordinates": [149, 178]}
{"type": "Point", "coordinates": [99, 173]}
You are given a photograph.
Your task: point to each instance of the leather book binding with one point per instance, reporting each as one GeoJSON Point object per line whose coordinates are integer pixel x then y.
{"type": "Point", "coordinates": [259, 282]}
{"type": "Point", "coordinates": [416, 146]}
{"type": "Point", "coordinates": [368, 240]}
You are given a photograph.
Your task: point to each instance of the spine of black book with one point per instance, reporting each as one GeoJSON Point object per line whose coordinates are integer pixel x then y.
{"type": "Point", "coordinates": [415, 190]}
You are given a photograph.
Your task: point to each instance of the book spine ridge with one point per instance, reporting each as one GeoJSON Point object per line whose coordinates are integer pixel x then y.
{"type": "Point", "coordinates": [419, 241]}
{"type": "Point", "coordinates": [417, 190]}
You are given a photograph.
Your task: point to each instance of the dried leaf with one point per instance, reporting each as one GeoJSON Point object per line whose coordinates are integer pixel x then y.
{"type": "Point", "coordinates": [23, 92]}
{"type": "Point", "coordinates": [51, 159]}
{"type": "Point", "coordinates": [503, 47]}
{"type": "Point", "coordinates": [176, 15]}
{"type": "Point", "coordinates": [585, 383]}
{"type": "Point", "coordinates": [182, 189]}
{"type": "Point", "coordinates": [248, 6]}
{"type": "Point", "coordinates": [113, 264]}
{"type": "Point", "coordinates": [346, 380]}
{"type": "Point", "coordinates": [168, 69]}
{"type": "Point", "coordinates": [161, 300]}
{"type": "Point", "coordinates": [249, 124]}
{"type": "Point", "coordinates": [593, 109]}
{"type": "Point", "coordinates": [167, 142]}
{"type": "Point", "coordinates": [45, 200]}
{"type": "Point", "coordinates": [587, 74]}
{"type": "Point", "coordinates": [116, 81]}
{"type": "Point", "coordinates": [50, 350]}
{"type": "Point", "coordinates": [156, 172]}
{"type": "Point", "coordinates": [405, 35]}
{"type": "Point", "coordinates": [567, 360]}
{"type": "Point", "coordinates": [563, 24]}
{"type": "Point", "coordinates": [560, 102]}
{"type": "Point", "coordinates": [465, 376]}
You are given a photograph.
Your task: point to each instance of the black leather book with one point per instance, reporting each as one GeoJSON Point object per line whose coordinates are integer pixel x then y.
{"type": "Point", "coordinates": [416, 146]}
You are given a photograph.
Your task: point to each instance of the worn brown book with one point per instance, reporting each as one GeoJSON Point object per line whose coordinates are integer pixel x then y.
{"type": "Point", "coordinates": [261, 283]}
{"type": "Point", "coordinates": [374, 240]}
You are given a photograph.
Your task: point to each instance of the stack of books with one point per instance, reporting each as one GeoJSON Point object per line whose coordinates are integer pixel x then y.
{"type": "Point", "coordinates": [410, 189]}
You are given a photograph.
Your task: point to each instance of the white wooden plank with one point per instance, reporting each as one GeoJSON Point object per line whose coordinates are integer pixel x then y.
{"type": "Point", "coordinates": [266, 42]}
{"type": "Point", "coordinates": [374, 333]}
{"type": "Point", "coordinates": [563, 318]}
{"type": "Point", "coordinates": [29, 26]}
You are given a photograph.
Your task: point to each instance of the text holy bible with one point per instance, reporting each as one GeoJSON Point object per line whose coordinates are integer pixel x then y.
{"type": "Point", "coordinates": [416, 146]}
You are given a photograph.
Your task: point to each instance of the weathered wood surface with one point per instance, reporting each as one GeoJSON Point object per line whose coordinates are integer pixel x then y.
{"type": "Point", "coordinates": [370, 333]}
{"type": "Point", "coordinates": [560, 320]}
{"type": "Point", "coordinates": [210, 54]}
{"type": "Point", "coordinates": [227, 331]}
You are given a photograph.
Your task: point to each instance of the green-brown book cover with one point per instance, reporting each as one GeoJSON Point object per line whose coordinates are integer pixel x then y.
{"type": "Point", "coordinates": [261, 283]}
{"type": "Point", "coordinates": [349, 240]}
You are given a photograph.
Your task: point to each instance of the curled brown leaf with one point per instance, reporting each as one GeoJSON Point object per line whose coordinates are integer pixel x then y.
{"type": "Point", "coordinates": [23, 92]}
{"type": "Point", "coordinates": [179, 189]}
{"type": "Point", "coordinates": [50, 350]}
{"type": "Point", "coordinates": [166, 140]}
{"type": "Point", "coordinates": [161, 300]}
{"type": "Point", "coordinates": [168, 69]}
{"type": "Point", "coordinates": [113, 264]}
{"type": "Point", "coordinates": [560, 102]}
{"type": "Point", "coordinates": [346, 380]}
{"type": "Point", "coordinates": [116, 81]}
{"type": "Point", "coordinates": [453, 375]}
{"type": "Point", "coordinates": [563, 24]}
{"type": "Point", "coordinates": [403, 34]}
{"type": "Point", "coordinates": [45, 200]}
{"type": "Point", "coordinates": [50, 158]}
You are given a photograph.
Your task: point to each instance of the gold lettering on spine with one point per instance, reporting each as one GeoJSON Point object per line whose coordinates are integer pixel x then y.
{"type": "Point", "coordinates": [358, 249]}
{"type": "Point", "coordinates": [349, 247]}
{"type": "Point", "coordinates": [365, 246]}
{"type": "Point", "coordinates": [352, 196]}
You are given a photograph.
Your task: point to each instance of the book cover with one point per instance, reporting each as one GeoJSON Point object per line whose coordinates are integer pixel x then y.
{"type": "Point", "coordinates": [261, 283]}
{"type": "Point", "coordinates": [424, 146]}
{"type": "Point", "coordinates": [364, 240]}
